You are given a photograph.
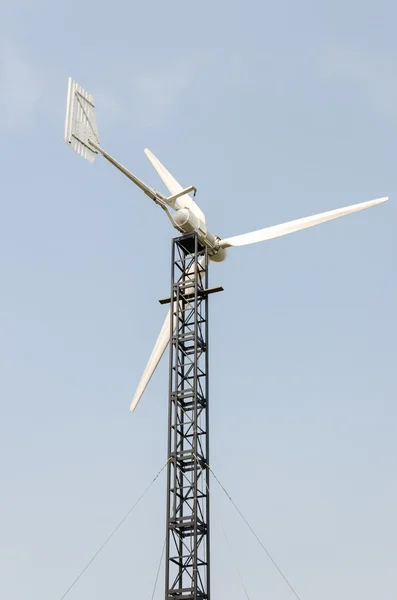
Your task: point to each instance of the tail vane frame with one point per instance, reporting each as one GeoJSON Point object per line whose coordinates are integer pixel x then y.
{"type": "Point", "coordinates": [80, 123]}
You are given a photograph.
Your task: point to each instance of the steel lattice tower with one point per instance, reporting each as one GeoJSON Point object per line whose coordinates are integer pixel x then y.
{"type": "Point", "coordinates": [188, 514]}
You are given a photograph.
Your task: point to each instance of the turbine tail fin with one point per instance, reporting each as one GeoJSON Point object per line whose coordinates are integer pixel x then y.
{"type": "Point", "coordinates": [80, 121]}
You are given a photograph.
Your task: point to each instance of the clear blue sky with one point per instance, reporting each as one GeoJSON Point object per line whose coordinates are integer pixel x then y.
{"type": "Point", "coordinates": [274, 111]}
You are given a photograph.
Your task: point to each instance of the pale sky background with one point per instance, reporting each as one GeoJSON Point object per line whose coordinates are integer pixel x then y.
{"type": "Point", "coordinates": [274, 111]}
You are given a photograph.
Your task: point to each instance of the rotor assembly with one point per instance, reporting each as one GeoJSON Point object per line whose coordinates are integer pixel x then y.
{"type": "Point", "coordinates": [185, 330]}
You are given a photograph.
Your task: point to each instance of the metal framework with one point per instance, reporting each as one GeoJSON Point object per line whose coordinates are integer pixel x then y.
{"type": "Point", "coordinates": [188, 514]}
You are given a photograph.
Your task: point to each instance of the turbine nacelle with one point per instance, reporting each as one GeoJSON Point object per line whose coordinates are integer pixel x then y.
{"type": "Point", "coordinates": [188, 222]}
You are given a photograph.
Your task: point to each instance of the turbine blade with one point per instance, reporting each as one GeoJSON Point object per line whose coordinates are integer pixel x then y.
{"type": "Point", "coordinates": [155, 357]}
{"type": "Point", "coordinates": [269, 233]}
{"type": "Point", "coordinates": [161, 344]}
{"type": "Point", "coordinates": [171, 184]}
{"type": "Point", "coordinates": [174, 187]}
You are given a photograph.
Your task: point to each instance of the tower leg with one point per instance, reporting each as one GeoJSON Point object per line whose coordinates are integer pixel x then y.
{"type": "Point", "coordinates": [188, 539]}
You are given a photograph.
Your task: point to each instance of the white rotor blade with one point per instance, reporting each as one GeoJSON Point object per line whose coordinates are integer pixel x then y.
{"type": "Point", "coordinates": [174, 187]}
{"type": "Point", "coordinates": [270, 233]}
{"type": "Point", "coordinates": [159, 349]}
{"type": "Point", "coordinates": [170, 182]}
{"type": "Point", "coordinates": [155, 357]}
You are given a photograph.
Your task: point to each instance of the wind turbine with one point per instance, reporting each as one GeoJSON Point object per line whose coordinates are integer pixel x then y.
{"type": "Point", "coordinates": [81, 133]}
{"type": "Point", "coordinates": [186, 326]}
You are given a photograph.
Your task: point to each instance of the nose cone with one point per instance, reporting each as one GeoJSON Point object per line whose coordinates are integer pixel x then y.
{"type": "Point", "coordinates": [220, 256]}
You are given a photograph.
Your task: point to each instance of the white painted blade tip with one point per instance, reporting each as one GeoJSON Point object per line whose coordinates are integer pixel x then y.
{"type": "Point", "coordinates": [149, 154]}
{"type": "Point", "coordinates": [135, 400]}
